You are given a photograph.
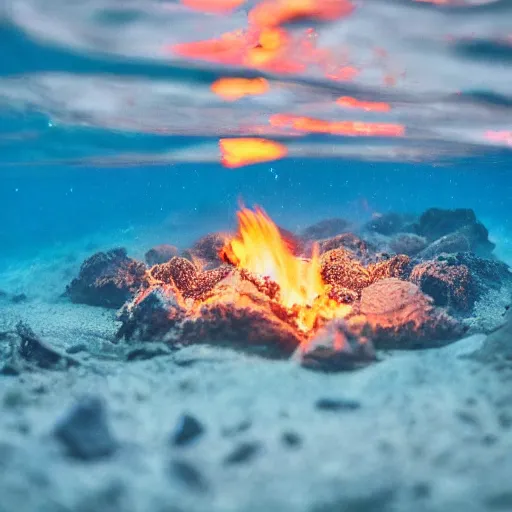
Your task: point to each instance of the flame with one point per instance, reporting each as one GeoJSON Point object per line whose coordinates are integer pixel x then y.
{"type": "Point", "coordinates": [260, 248]}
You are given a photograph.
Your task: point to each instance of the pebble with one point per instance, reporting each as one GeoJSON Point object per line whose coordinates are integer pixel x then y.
{"type": "Point", "coordinates": [334, 404]}
{"type": "Point", "coordinates": [189, 475]}
{"type": "Point", "coordinates": [241, 427]}
{"type": "Point", "coordinates": [243, 452]}
{"type": "Point", "coordinates": [85, 432]}
{"type": "Point", "coordinates": [188, 430]}
{"type": "Point", "coordinates": [291, 439]}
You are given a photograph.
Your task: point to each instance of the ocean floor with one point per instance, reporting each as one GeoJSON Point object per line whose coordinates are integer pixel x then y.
{"type": "Point", "coordinates": [209, 429]}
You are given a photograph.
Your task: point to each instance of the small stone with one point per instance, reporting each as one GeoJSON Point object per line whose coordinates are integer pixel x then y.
{"type": "Point", "coordinates": [75, 349]}
{"type": "Point", "coordinates": [85, 432]}
{"type": "Point", "coordinates": [33, 350]}
{"type": "Point", "coordinates": [187, 430]}
{"type": "Point", "coordinates": [160, 254]}
{"type": "Point", "coordinates": [421, 490]}
{"type": "Point", "coordinates": [334, 404]}
{"type": "Point", "coordinates": [291, 439]}
{"type": "Point", "coordinates": [241, 427]}
{"type": "Point", "coordinates": [146, 352]}
{"type": "Point", "coordinates": [188, 475]}
{"type": "Point", "coordinates": [19, 298]}
{"type": "Point", "coordinates": [325, 229]}
{"type": "Point", "coordinates": [335, 348]}
{"type": "Point", "coordinates": [244, 452]}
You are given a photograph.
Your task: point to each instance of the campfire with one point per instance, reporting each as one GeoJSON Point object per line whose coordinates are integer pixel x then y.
{"type": "Point", "coordinates": [329, 301]}
{"type": "Point", "coordinates": [261, 249]}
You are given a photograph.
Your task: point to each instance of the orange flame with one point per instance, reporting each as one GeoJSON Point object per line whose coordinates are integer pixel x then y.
{"type": "Point", "coordinates": [260, 248]}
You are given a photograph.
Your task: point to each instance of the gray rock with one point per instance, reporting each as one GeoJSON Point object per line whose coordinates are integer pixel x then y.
{"type": "Point", "coordinates": [188, 430]}
{"type": "Point", "coordinates": [85, 432]}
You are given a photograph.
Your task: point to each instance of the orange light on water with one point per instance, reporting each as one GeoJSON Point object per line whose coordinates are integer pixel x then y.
{"type": "Point", "coordinates": [369, 106]}
{"type": "Point", "coordinates": [245, 151]}
{"type": "Point", "coordinates": [215, 6]}
{"type": "Point", "coordinates": [347, 128]}
{"type": "Point", "coordinates": [232, 89]}
{"type": "Point", "coordinates": [273, 13]}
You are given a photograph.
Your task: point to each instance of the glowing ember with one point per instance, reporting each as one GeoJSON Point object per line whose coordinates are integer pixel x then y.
{"type": "Point", "coordinates": [260, 249]}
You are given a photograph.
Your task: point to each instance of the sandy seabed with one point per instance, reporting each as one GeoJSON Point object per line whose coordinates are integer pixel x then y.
{"type": "Point", "coordinates": [424, 430]}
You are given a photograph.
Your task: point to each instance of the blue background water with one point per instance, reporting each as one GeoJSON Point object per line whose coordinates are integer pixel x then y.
{"type": "Point", "coordinates": [45, 206]}
{"type": "Point", "coordinates": [64, 66]}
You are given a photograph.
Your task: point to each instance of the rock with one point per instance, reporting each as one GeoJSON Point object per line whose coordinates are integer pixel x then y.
{"type": "Point", "coordinates": [448, 244]}
{"type": "Point", "coordinates": [75, 349]}
{"type": "Point", "coordinates": [160, 254]}
{"type": "Point", "coordinates": [36, 352]}
{"type": "Point", "coordinates": [85, 432]}
{"type": "Point", "coordinates": [107, 279]}
{"type": "Point", "coordinates": [155, 314]}
{"type": "Point", "coordinates": [336, 404]}
{"type": "Point", "coordinates": [242, 322]}
{"type": "Point", "coordinates": [205, 253]}
{"type": "Point", "coordinates": [340, 268]}
{"type": "Point", "coordinates": [188, 430]}
{"type": "Point", "coordinates": [189, 475]}
{"type": "Point", "coordinates": [325, 229]}
{"type": "Point", "coordinates": [436, 223]}
{"type": "Point", "coordinates": [397, 266]}
{"type": "Point", "coordinates": [291, 439]}
{"type": "Point", "coordinates": [239, 428]}
{"type": "Point", "coordinates": [487, 273]}
{"type": "Point", "coordinates": [241, 317]}
{"type": "Point", "coordinates": [388, 223]}
{"type": "Point", "coordinates": [408, 244]}
{"type": "Point", "coordinates": [336, 348]}
{"type": "Point", "coordinates": [183, 274]}
{"type": "Point", "coordinates": [19, 298]}
{"type": "Point", "coordinates": [357, 248]}
{"type": "Point", "coordinates": [242, 453]}
{"type": "Point", "coordinates": [449, 285]}
{"type": "Point", "coordinates": [146, 352]}
{"type": "Point", "coordinates": [399, 315]}
{"type": "Point", "coordinates": [497, 346]}
{"type": "Point", "coordinates": [341, 294]}
{"type": "Point", "coordinates": [179, 272]}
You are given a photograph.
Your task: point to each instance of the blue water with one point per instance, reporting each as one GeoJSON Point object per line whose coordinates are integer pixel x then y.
{"type": "Point", "coordinates": [102, 131]}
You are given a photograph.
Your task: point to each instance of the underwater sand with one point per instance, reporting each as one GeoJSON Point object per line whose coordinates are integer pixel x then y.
{"type": "Point", "coordinates": [426, 430]}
